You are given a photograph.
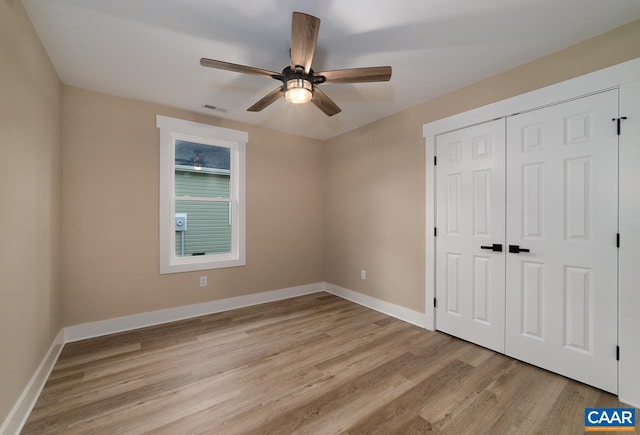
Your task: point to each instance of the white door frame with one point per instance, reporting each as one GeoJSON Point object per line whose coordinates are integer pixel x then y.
{"type": "Point", "coordinates": [608, 78]}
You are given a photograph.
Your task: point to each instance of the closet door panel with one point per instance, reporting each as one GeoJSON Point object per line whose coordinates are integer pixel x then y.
{"type": "Point", "coordinates": [561, 294]}
{"type": "Point", "coordinates": [470, 214]}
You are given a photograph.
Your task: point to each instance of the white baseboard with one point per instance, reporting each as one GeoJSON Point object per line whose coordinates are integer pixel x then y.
{"type": "Point", "coordinates": [20, 412]}
{"type": "Point", "coordinates": [408, 315]}
{"type": "Point", "coordinates": [120, 324]}
{"type": "Point", "coordinates": [16, 419]}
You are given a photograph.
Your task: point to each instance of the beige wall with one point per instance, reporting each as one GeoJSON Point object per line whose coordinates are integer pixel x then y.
{"type": "Point", "coordinates": [110, 212]}
{"type": "Point", "coordinates": [375, 183]}
{"type": "Point", "coordinates": [30, 198]}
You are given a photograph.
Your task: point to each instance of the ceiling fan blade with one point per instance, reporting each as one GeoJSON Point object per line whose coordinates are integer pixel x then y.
{"type": "Point", "coordinates": [304, 35]}
{"type": "Point", "coordinates": [324, 103]}
{"type": "Point", "coordinates": [218, 64]}
{"type": "Point", "coordinates": [357, 75]}
{"type": "Point", "coordinates": [270, 98]}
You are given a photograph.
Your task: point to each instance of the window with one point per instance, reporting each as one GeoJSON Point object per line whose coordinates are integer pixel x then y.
{"type": "Point", "coordinates": [202, 190]}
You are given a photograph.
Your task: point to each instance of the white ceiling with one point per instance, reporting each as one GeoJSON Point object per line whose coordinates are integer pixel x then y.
{"type": "Point", "coordinates": [150, 49]}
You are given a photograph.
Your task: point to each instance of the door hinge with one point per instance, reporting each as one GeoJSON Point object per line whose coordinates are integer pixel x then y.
{"type": "Point", "coordinates": [617, 240]}
{"type": "Point", "coordinates": [618, 121]}
{"type": "Point", "coordinates": [435, 160]}
{"type": "Point", "coordinates": [435, 303]}
{"type": "Point", "coordinates": [435, 231]}
{"type": "Point", "coordinates": [617, 353]}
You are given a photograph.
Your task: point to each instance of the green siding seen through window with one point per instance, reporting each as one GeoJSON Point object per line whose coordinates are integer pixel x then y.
{"type": "Point", "coordinates": [208, 223]}
{"type": "Point", "coordinates": [201, 184]}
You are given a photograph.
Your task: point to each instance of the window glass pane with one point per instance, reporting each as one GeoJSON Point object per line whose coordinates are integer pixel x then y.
{"type": "Point", "coordinates": [201, 170]}
{"type": "Point", "coordinates": [207, 228]}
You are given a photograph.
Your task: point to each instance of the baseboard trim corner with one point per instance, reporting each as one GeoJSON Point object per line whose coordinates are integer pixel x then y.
{"type": "Point", "coordinates": [121, 324]}
{"type": "Point", "coordinates": [399, 312]}
{"type": "Point", "coordinates": [20, 412]}
{"type": "Point", "coordinates": [629, 402]}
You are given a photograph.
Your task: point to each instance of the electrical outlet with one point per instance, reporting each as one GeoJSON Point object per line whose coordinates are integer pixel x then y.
{"type": "Point", "coordinates": [203, 281]}
{"type": "Point", "coordinates": [363, 274]}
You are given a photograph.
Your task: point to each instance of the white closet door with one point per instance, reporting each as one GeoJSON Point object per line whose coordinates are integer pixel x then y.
{"type": "Point", "coordinates": [562, 205]}
{"type": "Point", "coordinates": [470, 214]}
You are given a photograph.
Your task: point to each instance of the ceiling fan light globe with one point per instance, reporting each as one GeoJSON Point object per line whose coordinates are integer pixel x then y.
{"type": "Point", "coordinates": [299, 91]}
{"type": "Point", "coordinates": [298, 95]}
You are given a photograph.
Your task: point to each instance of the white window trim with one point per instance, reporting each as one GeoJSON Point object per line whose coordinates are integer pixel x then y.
{"type": "Point", "coordinates": [170, 130]}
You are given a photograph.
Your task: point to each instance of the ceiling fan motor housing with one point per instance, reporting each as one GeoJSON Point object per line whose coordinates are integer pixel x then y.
{"type": "Point", "coordinates": [298, 74]}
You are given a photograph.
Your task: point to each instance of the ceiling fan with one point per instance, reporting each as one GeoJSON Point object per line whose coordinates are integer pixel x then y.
{"type": "Point", "coordinates": [299, 81]}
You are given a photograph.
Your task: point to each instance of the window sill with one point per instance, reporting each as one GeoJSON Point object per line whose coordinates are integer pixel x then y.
{"type": "Point", "coordinates": [190, 264]}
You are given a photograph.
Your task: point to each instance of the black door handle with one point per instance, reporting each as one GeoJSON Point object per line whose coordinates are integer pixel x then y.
{"type": "Point", "coordinates": [516, 249]}
{"type": "Point", "coordinates": [496, 247]}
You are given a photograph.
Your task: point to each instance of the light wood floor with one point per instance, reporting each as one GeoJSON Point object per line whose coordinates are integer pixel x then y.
{"type": "Point", "coordinates": [313, 364]}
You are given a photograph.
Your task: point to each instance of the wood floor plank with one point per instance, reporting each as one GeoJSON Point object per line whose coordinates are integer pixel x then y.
{"type": "Point", "coordinates": [452, 405]}
{"type": "Point", "coordinates": [369, 384]}
{"type": "Point", "coordinates": [397, 413]}
{"type": "Point", "coordinates": [315, 364]}
{"type": "Point", "coordinates": [60, 420]}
